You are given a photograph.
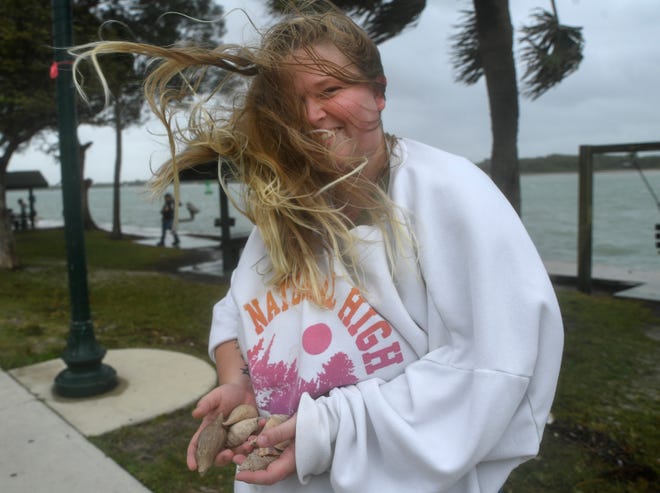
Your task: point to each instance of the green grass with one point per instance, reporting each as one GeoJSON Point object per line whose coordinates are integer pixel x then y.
{"type": "Point", "coordinates": [604, 437]}
{"type": "Point", "coordinates": [131, 305]}
{"type": "Point", "coordinates": [47, 245]}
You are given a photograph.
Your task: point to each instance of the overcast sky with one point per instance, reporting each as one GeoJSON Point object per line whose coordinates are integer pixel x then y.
{"type": "Point", "coordinates": [614, 97]}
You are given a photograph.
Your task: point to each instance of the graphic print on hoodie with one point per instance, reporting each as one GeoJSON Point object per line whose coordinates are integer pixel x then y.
{"type": "Point", "coordinates": [294, 346]}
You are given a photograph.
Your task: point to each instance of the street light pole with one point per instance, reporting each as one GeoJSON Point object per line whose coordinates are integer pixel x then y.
{"type": "Point", "coordinates": [85, 375]}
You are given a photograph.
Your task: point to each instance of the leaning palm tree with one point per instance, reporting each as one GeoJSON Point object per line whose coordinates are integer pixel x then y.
{"type": "Point", "coordinates": [483, 46]}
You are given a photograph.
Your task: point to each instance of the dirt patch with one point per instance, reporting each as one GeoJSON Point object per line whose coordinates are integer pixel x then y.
{"type": "Point", "coordinates": [623, 466]}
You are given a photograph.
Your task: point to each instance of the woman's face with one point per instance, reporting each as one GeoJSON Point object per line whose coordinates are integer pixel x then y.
{"type": "Point", "coordinates": [347, 116]}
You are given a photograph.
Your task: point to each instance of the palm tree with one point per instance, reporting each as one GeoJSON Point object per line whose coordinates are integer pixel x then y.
{"type": "Point", "coordinates": [484, 46]}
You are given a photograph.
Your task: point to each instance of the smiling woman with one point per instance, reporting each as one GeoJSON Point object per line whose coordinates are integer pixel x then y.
{"type": "Point", "coordinates": [346, 114]}
{"type": "Point", "coordinates": [388, 300]}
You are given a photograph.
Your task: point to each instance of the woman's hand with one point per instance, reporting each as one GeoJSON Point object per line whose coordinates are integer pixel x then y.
{"type": "Point", "coordinates": [280, 468]}
{"type": "Point", "coordinates": [222, 399]}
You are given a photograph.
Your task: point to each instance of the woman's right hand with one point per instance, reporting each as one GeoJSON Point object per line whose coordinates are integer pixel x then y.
{"type": "Point", "coordinates": [222, 399]}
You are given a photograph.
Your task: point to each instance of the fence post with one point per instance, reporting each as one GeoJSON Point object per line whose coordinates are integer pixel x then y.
{"type": "Point", "coordinates": [585, 219]}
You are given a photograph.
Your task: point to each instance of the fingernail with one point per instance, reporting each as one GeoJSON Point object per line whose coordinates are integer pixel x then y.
{"type": "Point", "coordinates": [262, 441]}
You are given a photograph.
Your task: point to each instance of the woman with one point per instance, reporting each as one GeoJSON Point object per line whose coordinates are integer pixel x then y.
{"type": "Point", "coordinates": [389, 299]}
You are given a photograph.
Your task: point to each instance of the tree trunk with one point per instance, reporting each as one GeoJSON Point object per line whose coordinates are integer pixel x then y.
{"type": "Point", "coordinates": [88, 222]}
{"type": "Point", "coordinates": [116, 205]}
{"type": "Point", "coordinates": [496, 50]}
{"type": "Point", "coordinates": [8, 256]}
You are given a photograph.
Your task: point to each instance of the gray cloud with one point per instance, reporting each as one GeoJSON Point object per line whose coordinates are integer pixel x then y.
{"type": "Point", "coordinates": [612, 98]}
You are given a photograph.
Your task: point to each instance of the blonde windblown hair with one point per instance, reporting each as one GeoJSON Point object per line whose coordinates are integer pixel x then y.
{"type": "Point", "coordinates": [294, 191]}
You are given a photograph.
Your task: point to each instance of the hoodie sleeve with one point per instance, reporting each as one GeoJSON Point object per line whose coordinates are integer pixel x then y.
{"type": "Point", "coordinates": [224, 324]}
{"type": "Point", "coordinates": [474, 407]}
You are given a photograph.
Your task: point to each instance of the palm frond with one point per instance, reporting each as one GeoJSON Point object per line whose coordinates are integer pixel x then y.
{"type": "Point", "coordinates": [551, 52]}
{"type": "Point", "coordinates": [381, 19]}
{"type": "Point", "coordinates": [465, 54]}
{"type": "Point", "coordinates": [389, 19]}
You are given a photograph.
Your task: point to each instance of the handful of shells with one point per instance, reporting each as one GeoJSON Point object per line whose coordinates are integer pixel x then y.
{"type": "Point", "coordinates": [222, 433]}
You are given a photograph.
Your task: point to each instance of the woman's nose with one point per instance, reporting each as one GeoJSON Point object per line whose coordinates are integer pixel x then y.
{"type": "Point", "coordinates": [315, 111]}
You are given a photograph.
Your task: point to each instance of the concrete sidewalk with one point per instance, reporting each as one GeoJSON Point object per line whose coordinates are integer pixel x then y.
{"type": "Point", "coordinates": [43, 445]}
{"type": "Point", "coordinates": [635, 283]}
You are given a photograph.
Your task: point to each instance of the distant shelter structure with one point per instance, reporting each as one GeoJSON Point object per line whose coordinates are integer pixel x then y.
{"type": "Point", "coordinates": [26, 180]}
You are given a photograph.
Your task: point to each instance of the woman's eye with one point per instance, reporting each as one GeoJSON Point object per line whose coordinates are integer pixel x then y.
{"type": "Point", "coordinates": [329, 91]}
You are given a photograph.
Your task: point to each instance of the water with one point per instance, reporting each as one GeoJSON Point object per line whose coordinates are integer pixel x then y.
{"type": "Point", "coordinates": [624, 217]}
{"type": "Point", "coordinates": [140, 212]}
{"type": "Point", "coordinates": [625, 214]}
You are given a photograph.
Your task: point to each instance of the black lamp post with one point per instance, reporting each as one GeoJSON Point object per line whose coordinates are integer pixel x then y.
{"type": "Point", "coordinates": [85, 375]}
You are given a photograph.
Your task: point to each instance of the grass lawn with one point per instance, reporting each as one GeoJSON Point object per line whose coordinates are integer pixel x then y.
{"type": "Point", "coordinates": [604, 437]}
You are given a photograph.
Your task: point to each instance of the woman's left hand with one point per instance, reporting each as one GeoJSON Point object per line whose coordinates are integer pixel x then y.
{"type": "Point", "coordinates": [280, 468]}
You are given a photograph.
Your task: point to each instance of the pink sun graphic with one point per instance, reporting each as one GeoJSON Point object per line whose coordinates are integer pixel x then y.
{"type": "Point", "coordinates": [316, 338]}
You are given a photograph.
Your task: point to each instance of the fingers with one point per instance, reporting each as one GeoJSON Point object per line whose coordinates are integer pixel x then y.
{"type": "Point", "coordinates": [279, 469]}
{"type": "Point", "coordinates": [190, 454]}
{"type": "Point", "coordinates": [278, 434]}
{"type": "Point", "coordinates": [225, 457]}
{"type": "Point", "coordinates": [223, 399]}
{"type": "Point", "coordinates": [208, 403]}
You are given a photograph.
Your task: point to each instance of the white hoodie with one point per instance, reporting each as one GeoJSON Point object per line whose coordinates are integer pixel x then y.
{"type": "Point", "coordinates": [436, 377]}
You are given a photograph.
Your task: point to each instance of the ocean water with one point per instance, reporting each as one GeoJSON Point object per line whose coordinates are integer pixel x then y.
{"type": "Point", "coordinates": [624, 217]}
{"type": "Point", "coordinates": [625, 214]}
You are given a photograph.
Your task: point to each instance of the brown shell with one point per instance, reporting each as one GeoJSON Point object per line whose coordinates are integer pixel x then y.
{"type": "Point", "coordinates": [241, 412]}
{"type": "Point", "coordinates": [274, 420]}
{"type": "Point", "coordinates": [239, 432]}
{"type": "Point", "coordinates": [210, 442]}
{"type": "Point", "coordinates": [256, 462]}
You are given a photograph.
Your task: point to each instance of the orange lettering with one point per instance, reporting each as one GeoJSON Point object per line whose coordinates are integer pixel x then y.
{"type": "Point", "coordinates": [356, 326]}
{"type": "Point", "coordinates": [297, 296]}
{"type": "Point", "coordinates": [329, 298]}
{"type": "Point", "coordinates": [353, 301]}
{"type": "Point", "coordinates": [285, 305]}
{"type": "Point", "coordinates": [257, 316]}
{"type": "Point", "coordinates": [271, 306]}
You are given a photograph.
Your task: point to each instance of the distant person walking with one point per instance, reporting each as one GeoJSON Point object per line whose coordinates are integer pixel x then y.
{"type": "Point", "coordinates": [23, 214]}
{"type": "Point", "coordinates": [167, 220]}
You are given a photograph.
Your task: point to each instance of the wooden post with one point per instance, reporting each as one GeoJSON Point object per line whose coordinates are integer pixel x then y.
{"type": "Point", "coordinates": [585, 219]}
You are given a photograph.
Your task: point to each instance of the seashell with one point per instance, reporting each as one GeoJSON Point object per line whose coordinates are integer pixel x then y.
{"type": "Point", "coordinates": [210, 442]}
{"type": "Point", "coordinates": [241, 412]}
{"type": "Point", "coordinates": [274, 451]}
{"type": "Point", "coordinates": [274, 420]}
{"type": "Point", "coordinates": [239, 432]}
{"type": "Point", "coordinates": [256, 462]}
{"type": "Point", "coordinates": [282, 445]}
